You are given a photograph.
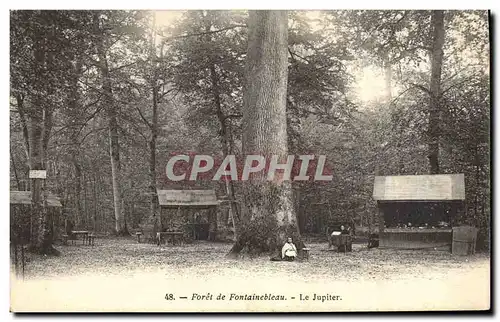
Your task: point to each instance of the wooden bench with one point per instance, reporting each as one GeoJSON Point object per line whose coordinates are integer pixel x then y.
{"type": "Point", "coordinates": [84, 233]}
{"type": "Point", "coordinates": [64, 239]}
{"type": "Point", "coordinates": [91, 239]}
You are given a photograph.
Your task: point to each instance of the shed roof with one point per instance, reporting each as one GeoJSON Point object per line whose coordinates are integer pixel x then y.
{"type": "Point", "coordinates": [438, 187]}
{"type": "Point", "coordinates": [187, 198]}
{"type": "Point", "coordinates": [24, 198]}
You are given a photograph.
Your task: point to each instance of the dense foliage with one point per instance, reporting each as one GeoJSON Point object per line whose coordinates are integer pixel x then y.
{"type": "Point", "coordinates": [193, 70]}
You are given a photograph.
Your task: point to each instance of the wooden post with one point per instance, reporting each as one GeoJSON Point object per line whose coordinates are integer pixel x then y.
{"type": "Point", "coordinates": [381, 220]}
{"type": "Point", "coordinates": [177, 216]}
{"type": "Point", "coordinates": [22, 258]}
{"type": "Point", "coordinates": [16, 264]}
{"type": "Point", "coordinates": [212, 224]}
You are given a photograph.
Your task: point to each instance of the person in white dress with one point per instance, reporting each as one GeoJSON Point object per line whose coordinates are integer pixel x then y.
{"type": "Point", "coordinates": [289, 251]}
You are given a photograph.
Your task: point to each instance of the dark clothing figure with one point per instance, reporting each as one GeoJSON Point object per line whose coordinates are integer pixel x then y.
{"type": "Point", "coordinates": [70, 226]}
{"type": "Point", "coordinates": [344, 231]}
{"type": "Point", "coordinates": [373, 241]}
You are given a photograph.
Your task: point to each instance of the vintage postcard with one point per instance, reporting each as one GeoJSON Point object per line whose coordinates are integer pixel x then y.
{"type": "Point", "coordinates": [250, 160]}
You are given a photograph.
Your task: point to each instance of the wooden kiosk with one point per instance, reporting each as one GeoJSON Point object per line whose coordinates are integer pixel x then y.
{"type": "Point", "coordinates": [190, 212]}
{"type": "Point", "coordinates": [418, 211]}
{"type": "Point", "coordinates": [20, 216]}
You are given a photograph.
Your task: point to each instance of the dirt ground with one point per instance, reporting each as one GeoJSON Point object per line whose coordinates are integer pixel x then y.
{"type": "Point", "coordinates": [122, 275]}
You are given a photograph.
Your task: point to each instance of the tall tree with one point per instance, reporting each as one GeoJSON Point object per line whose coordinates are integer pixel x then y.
{"type": "Point", "coordinates": [211, 53]}
{"type": "Point", "coordinates": [111, 110]}
{"type": "Point", "coordinates": [155, 86]}
{"type": "Point", "coordinates": [38, 79]}
{"type": "Point", "coordinates": [115, 36]}
{"type": "Point", "coordinates": [436, 55]}
{"type": "Point", "coordinates": [268, 215]}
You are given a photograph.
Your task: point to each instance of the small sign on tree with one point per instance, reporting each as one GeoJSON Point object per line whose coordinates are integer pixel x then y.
{"type": "Point", "coordinates": [38, 174]}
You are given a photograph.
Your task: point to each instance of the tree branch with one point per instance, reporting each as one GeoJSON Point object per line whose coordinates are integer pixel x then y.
{"type": "Point", "coordinates": [143, 118]}
{"type": "Point", "coordinates": [123, 66]}
{"type": "Point", "coordinates": [166, 93]}
{"type": "Point", "coordinates": [82, 125]}
{"type": "Point", "coordinates": [422, 88]}
{"type": "Point", "coordinates": [295, 54]}
{"type": "Point", "coordinates": [457, 84]}
{"type": "Point", "coordinates": [167, 39]}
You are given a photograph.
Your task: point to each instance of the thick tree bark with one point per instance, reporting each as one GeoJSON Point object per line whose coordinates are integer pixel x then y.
{"type": "Point", "coordinates": [41, 241]}
{"type": "Point", "coordinates": [436, 56]}
{"type": "Point", "coordinates": [78, 190]}
{"type": "Point", "coordinates": [388, 97]}
{"type": "Point", "coordinates": [268, 216]}
{"type": "Point", "coordinates": [75, 107]}
{"type": "Point", "coordinates": [212, 224]}
{"type": "Point", "coordinates": [154, 205]}
{"type": "Point", "coordinates": [152, 167]}
{"type": "Point", "coordinates": [94, 190]}
{"type": "Point", "coordinates": [114, 151]}
{"type": "Point", "coordinates": [24, 123]}
{"type": "Point", "coordinates": [18, 182]}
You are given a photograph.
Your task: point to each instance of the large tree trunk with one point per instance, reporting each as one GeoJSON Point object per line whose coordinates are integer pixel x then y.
{"type": "Point", "coordinates": [39, 236]}
{"type": "Point", "coordinates": [152, 167]}
{"type": "Point", "coordinates": [41, 239]}
{"type": "Point", "coordinates": [120, 226]}
{"type": "Point", "coordinates": [78, 191]}
{"type": "Point", "coordinates": [13, 167]}
{"type": "Point", "coordinates": [24, 123]}
{"type": "Point", "coordinates": [436, 56]}
{"type": "Point", "coordinates": [75, 111]}
{"type": "Point", "coordinates": [268, 216]}
{"type": "Point", "coordinates": [114, 151]}
{"type": "Point", "coordinates": [154, 133]}
{"type": "Point", "coordinates": [94, 190]}
{"type": "Point", "coordinates": [388, 97]}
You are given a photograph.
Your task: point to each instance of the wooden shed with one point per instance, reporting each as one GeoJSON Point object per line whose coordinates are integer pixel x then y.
{"type": "Point", "coordinates": [20, 215]}
{"type": "Point", "coordinates": [418, 211]}
{"type": "Point", "coordinates": [191, 211]}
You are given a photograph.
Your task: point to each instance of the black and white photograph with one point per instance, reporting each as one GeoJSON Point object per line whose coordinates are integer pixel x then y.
{"type": "Point", "coordinates": [247, 161]}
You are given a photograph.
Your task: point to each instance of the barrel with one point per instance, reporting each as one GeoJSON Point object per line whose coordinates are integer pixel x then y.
{"type": "Point", "coordinates": [464, 240]}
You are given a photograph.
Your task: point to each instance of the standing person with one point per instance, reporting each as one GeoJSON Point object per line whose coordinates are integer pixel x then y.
{"type": "Point", "coordinates": [289, 251]}
{"type": "Point", "coordinates": [70, 226]}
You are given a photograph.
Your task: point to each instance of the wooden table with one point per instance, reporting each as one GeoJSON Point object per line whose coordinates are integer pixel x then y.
{"type": "Point", "coordinates": [343, 242]}
{"type": "Point", "coordinates": [83, 233]}
{"type": "Point", "coordinates": [173, 234]}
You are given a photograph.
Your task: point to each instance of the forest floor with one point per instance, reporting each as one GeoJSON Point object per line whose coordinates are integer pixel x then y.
{"type": "Point", "coordinates": [122, 275]}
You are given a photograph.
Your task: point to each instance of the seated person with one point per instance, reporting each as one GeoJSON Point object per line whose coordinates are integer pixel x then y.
{"type": "Point", "coordinates": [343, 230]}
{"type": "Point", "coordinates": [289, 251]}
{"type": "Point", "coordinates": [373, 240]}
